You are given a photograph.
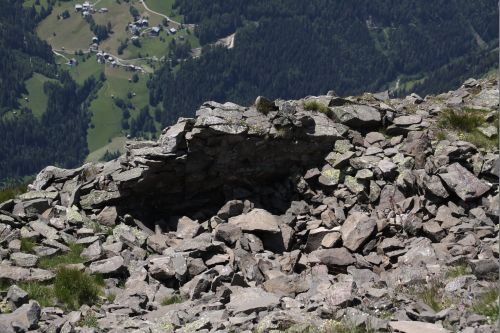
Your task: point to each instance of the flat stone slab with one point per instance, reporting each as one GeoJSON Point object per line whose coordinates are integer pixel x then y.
{"type": "Point", "coordinates": [465, 185]}
{"type": "Point", "coordinates": [252, 300]}
{"type": "Point", "coordinates": [416, 327]}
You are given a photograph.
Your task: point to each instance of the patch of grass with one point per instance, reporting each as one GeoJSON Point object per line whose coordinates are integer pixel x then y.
{"type": "Point", "coordinates": [4, 284]}
{"type": "Point", "coordinates": [316, 106]}
{"type": "Point", "coordinates": [457, 271]}
{"type": "Point", "coordinates": [10, 192]}
{"type": "Point", "coordinates": [75, 288]}
{"type": "Point", "coordinates": [111, 297]}
{"type": "Point", "coordinates": [27, 245]}
{"type": "Point", "coordinates": [37, 99]}
{"type": "Point", "coordinates": [466, 123]}
{"type": "Point", "coordinates": [89, 321]}
{"type": "Point", "coordinates": [441, 135]}
{"type": "Point", "coordinates": [479, 140]}
{"type": "Point", "coordinates": [71, 257]}
{"type": "Point", "coordinates": [42, 293]}
{"type": "Point", "coordinates": [334, 326]}
{"type": "Point", "coordinates": [487, 304]}
{"type": "Point", "coordinates": [172, 300]}
{"type": "Point", "coordinates": [466, 120]}
{"type": "Point", "coordinates": [432, 295]}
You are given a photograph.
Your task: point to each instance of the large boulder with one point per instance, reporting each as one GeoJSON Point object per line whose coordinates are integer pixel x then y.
{"type": "Point", "coordinates": [463, 183]}
{"type": "Point", "coordinates": [357, 116]}
{"type": "Point", "coordinates": [356, 230]}
{"type": "Point", "coordinates": [23, 319]}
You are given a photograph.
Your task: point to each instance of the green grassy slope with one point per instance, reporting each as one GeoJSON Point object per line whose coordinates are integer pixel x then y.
{"type": "Point", "coordinates": [36, 100]}
{"type": "Point", "coordinates": [74, 34]}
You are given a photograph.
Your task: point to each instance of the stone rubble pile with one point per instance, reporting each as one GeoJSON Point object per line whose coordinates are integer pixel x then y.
{"type": "Point", "coordinates": [271, 217]}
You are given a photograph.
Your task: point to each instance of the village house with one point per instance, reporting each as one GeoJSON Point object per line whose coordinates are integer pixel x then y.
{"type": "Point", "coordinates": [78, 7]}
{"type": "Point", "coordinates": [173, 31]}
{"type": "Point", "coordinates": [155, 31]}
{"type": "Point", "coordinates": [95, 39]}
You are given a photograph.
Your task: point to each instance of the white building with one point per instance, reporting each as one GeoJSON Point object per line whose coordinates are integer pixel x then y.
{"type": "Point", "coordinates": [78, 7]}
{"type": "Point", "coordinates": [173, 31]}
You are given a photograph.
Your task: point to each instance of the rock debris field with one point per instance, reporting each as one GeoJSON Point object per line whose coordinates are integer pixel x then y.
{"type": "Point", "coordinates": [326, 214]}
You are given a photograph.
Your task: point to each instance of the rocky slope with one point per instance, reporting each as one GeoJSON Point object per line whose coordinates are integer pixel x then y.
{"type": "Point", "coordinates": [318, 215]}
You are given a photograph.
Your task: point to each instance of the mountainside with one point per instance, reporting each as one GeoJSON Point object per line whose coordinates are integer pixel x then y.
{"type": "Point", "coordinates": [31, 141]}
{"type": "Point", "coordinates": [287, 49]}
{"type": "Point", "coordinates": [325, 214]}
{"type": "Point", "coordinates": [75, 85]}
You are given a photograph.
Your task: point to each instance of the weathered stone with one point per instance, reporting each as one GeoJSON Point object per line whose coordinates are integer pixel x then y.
{"type": "Point", "coordinates": [16, 297]}
{"type": "Point", "coordinates": [108, 216]}
{"type": "Point", "coordinates": [357, 228]}
{"type": "Point", "coordinates": [227, 233]}
{"type": "Point", "coordinates": [416, 327]}
{"type": "Point", "coordinates": [22, 319]}
{"type": "Point", "coordinates": [250, 300]}
{"type": "Point", "coordinates": [465, 185]}
{"type": "Point", "coordinates": [113, 266]}
{"type": "Point", "coordinates": [357, 116]}
{"type": "Point", "coordinates": [24, 259]}
{"type": "Point", "coordinates": [92, 252]}
{"type": "Point", "coordinates": [187, 228]}
{"type": "Point", "coordinates": [258, 220]}
{"type": "Point", "coordinates": [230, 209]}
{"type": "Point", "coordinates": [335, 257]}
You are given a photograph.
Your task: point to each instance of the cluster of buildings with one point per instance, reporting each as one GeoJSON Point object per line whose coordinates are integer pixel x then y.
{"type": "Point", "coordinates": [87, 9]}
{"type": "Point", "coordinates": [103, 57]}
{"type": "Point", "coordinates": [136, 27]}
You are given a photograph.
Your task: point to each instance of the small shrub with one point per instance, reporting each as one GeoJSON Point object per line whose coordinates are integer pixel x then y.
{"type": "Point", "coordinates": [333, 326]}
{"type": "Point", "coordinates": [89, 321]}
{"type": "Point", "coordinates": [479, 140]}
{"type": "Point", "coordinates": [75, 288]}
{"type": "Point", "coordinates": [42, 293]}
{"type": "Point", "coordinates": [466, 123]}
{"type": "Point", "coordinates": [316, 106]}
{"type": "Point", "coordinates": [12, 191]}
{"type": "Point", "coordinates": [172, 300]}
{"type": "Point", "coordinates": [441, 135]}
{"type": "Point", "coordinates": [111, 297]}
{"type": "Point", "coordinates": [432, 296]}
{"type": "Point", "coordinates": [4, 284]}
{"type": "Point", "coordinates": [487, 304]}
{"type": "Point", "coordinates": [71, 257]}
{"type": "Point", "coordinates": [457, 271]}
{"type": "Point", "coordinates": [467, 120]}
{"type": "Point", "coordinates": [27, 245]}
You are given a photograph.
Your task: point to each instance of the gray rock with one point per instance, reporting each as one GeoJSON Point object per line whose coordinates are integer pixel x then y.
{"type": "Point", "coordinates": [22, 319]}
{"type": "Point", "coordinates": [407, 120]}
{"type": "Point", "coordinates": [113, 266]}
{"type": "Point", "coordinates": [258, 220]}
{"type": "Point", "coordinates": [334, 258]}
{"type": "Point", "coordinates": [249, 300]}
{"type": "Point", "coordinates": [93, 252]}
{"type": "Point", "coordinates": [24, 259]}
{"type": "Point", "coordinates": [227, 233]}
{"type": "Point", "coordinates": [16, 297]}
{"type": "Point", "coordinates": [465, 185]}
{"type": "Point", "coordinates": [44, 229]}
{"type": "Point", "coordinates": [187, 228]}
{"type": "Point", "coordinates": [329, 177]}
{"type": "Point", "coordinates": [357, 116]}
{"type": "Point", "coordinates": [416, 327]}
{"type": "Point", "coordinates": [356, 230]}
{"type": "Point", "coordinates": [108, 216]}
{"type": "Point", "coordinates": [230, 209]}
